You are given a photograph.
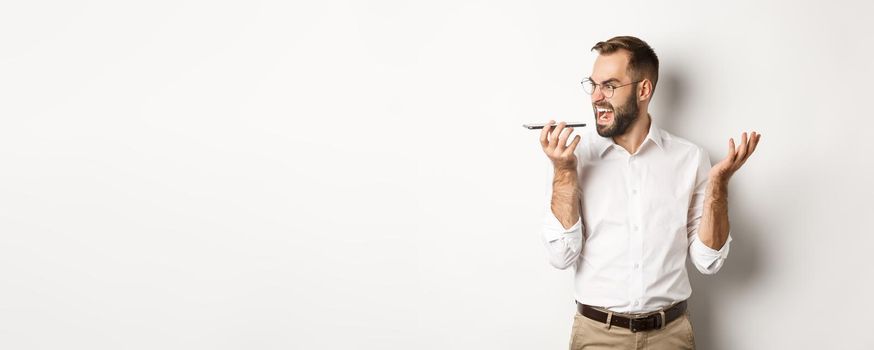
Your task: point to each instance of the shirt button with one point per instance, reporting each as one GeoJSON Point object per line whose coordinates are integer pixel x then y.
{"type": "Point", "coordinates": [634, 227]}
{"type": "Point", "coordinates": [637, 302]}
{"type": "Point", "coordinates": [634, 191]}
{"type": "Point", "coordinates": [636, 266]}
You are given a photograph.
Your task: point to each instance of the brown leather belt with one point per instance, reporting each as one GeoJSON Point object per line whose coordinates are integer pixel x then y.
{"type": "Point", "coordinates": [635, 324]}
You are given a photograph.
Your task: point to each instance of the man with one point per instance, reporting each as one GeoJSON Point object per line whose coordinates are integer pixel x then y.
{"type": "Point", "coordinates": [629, 204]}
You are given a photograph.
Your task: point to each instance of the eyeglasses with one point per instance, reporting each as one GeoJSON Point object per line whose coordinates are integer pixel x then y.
{"type": "Point", "coordinates": [589, 87]}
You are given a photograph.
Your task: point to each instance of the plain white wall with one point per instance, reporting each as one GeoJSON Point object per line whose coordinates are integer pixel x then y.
{"type": "Point", "coordinates": [275, 175]}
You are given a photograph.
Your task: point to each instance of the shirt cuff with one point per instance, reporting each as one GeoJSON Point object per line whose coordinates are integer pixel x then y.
{"type": "Point", "coordinates": [703, 250]}
{"type": "Point", "coordinates": [553, 229]}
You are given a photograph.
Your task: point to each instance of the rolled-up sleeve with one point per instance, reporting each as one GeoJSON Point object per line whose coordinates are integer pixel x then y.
{"type": "Point", "coordinates": [563, 245]}
{"type": "Point", "coordinates": [707, 260]}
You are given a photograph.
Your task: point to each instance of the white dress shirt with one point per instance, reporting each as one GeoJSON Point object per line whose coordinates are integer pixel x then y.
{"type": "Point", "coordinates": [640, 214]}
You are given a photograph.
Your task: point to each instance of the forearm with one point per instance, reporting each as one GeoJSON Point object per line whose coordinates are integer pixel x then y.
{"type": "Point", "coordinates": [566, 197]}
{"type": "Point", "coordinates": [714, 221]}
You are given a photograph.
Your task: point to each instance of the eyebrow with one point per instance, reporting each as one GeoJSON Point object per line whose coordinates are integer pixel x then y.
{"type": "Point", "coordinates": [611, 80]}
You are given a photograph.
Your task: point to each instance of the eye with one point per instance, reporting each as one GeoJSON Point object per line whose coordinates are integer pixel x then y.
{"type": "Point", "coordinates": [609, 87]}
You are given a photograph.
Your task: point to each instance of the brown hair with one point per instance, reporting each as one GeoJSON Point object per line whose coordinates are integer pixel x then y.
{"type": "Point", "coordinates": [642, 60]}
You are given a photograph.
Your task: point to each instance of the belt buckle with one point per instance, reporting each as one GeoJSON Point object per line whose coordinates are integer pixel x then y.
{"type": "Point", "coordinates": [631, 325]}
{"type": "Point", "coordinates": [645, 321]}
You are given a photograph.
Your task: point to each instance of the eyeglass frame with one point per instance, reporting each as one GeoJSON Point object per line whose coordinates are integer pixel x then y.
{"type": "Point", "coordinates": [596, 85]}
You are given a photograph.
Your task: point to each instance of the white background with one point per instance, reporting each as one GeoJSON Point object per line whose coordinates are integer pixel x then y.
{"type": "Point", "coordinates": [353, 175]}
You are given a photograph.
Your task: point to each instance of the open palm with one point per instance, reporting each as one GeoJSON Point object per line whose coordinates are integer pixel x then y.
{"type": "Point", "coordinates": [736, 157]}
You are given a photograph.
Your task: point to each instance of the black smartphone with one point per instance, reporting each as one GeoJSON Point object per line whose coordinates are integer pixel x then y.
{"type": "Point", "coordinates": [540, 126]}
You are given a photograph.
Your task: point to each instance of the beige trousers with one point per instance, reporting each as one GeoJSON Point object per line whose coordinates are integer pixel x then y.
{"type": "Point", "coordinates": [589, 334]}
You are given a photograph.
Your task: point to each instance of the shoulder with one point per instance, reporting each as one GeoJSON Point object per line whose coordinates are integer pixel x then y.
{"type": "Point", "coordinates": [681, 145]}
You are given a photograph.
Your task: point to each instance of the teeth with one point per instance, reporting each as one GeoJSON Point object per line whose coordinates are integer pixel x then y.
{"type": "Point", "coordinates": [602, 113]}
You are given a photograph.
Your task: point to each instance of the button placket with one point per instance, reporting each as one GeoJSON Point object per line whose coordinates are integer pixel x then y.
{"type": "Point", "coordinates": [635, 235]}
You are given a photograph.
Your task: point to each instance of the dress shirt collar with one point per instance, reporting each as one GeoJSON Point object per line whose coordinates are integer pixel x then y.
{"type": "Point", "coordinates": [655, 135]}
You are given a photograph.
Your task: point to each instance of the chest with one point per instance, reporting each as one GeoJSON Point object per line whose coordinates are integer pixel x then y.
{"type": "Point", "coordinates": [655, 188]}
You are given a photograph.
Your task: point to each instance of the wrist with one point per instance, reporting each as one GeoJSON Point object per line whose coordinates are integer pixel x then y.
{"type": "Point", "coordinates": [717, 190]}
{"type": "Point", "coordinates": [718, 181]}
{"type": "Point", "coordinates": [565, 171]}
{"type": "Point", "coordinates": [565, 176]}
{"type": "Point", "coordinates": [564, 179]}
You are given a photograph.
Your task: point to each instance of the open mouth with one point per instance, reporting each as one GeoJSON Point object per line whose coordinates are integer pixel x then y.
{"type": "Point", "coordinates": [603, 115]}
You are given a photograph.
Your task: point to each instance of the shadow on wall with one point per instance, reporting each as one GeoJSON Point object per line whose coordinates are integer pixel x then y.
{"type": "Point", "coordinates": [671, 87]}
{"type": "Point", "coordinates": [711, 294]}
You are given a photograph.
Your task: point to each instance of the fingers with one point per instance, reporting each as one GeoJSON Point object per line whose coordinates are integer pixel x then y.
{"type": "Point", "coordinates": [562, 140]}
{"type": "Point", "coordinates": [544, 134]}
{"type": "Point", "coordinates": [744, 150]}
{"type": "Point", "coordinates": [570, 148]}
{"type": "Point", "coordinates": [732, 152]}
{"type": "Point", "coordinates": [755, 142]}
{"type": "Point", "coordinates": [741, 150]}
{"type": "Point", "coordinates": [553, 139]}
{"type": "Point", "coordinates": [751, 146]}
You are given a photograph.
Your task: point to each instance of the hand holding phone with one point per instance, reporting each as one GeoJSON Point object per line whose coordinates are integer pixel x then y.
{"type": "Point", "coordinates": [555, 144]}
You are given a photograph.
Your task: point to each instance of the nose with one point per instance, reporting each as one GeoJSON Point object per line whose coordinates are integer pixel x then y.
{"type": "Point", "coordinates": [598, 95]}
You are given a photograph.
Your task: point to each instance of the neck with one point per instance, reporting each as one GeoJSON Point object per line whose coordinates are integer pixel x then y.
{"type": "Point", "coordinates": [636, 133]}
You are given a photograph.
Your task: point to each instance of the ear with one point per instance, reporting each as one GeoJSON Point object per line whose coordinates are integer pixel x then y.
{"type": "Point", "coordinates": [645, 90]}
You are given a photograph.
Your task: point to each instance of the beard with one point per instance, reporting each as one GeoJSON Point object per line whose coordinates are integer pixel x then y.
{"type": "Point", "coordinates": [623, 117]}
